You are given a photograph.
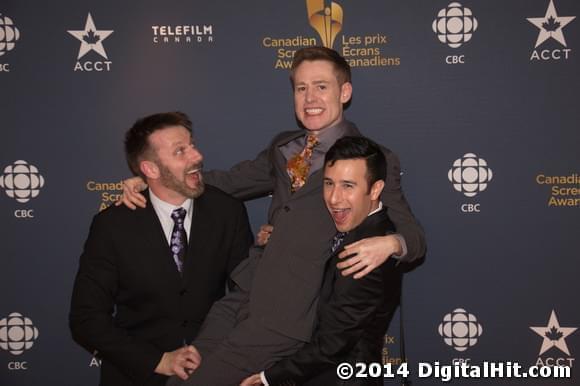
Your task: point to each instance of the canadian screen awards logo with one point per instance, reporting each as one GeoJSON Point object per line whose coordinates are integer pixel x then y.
{"type": "Point", "coordinates": [454, 26]}
{"type": "Point", "coordinates": [470, 175]}
{"type": "Point", "coordinates": [9, 35]}
{"type": "Point", "coordinates": [551, 31]}
{"type": "Point", "coordinates": [326, 19]}
{"type": "Point", "coordinates": [554, 342]}
{"type": "Point", "coordinates": [460, 329]}
{"type": "Point", "coordinates": [91, 39]}
{"type": "Point", "coordinates": [22, 182]}
{"type": "Point", "coordinates": [17, 334]}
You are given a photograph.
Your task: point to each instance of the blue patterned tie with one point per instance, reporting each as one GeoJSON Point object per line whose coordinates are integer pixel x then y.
{"type": "Point", "coordinates": [337, 240]}
{"type": "Point", "coordinates": [178, 238]}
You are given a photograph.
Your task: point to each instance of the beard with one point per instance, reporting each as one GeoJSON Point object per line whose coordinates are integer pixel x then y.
{"type": "Point", "coordinates": [170, 181]}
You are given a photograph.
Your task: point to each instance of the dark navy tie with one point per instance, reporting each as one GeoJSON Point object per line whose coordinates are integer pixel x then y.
{"type": "Point", "coordinates": [178, 238]}
{"type": "Point", "coordinates": [337, 240]}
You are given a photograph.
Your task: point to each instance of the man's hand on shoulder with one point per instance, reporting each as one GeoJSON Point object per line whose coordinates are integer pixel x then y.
{"type": "Point", "coordinates": [362, 256]}
{"type": "Point", "coordinates": [180, 362]}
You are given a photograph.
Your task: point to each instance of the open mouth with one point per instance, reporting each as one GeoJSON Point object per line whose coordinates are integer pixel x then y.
{"type": "Point", "coordinates": [340, 215]}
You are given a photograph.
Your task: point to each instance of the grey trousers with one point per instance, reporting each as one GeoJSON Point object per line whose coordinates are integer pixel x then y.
{"type": "Point", "coordinates": [235, 345]}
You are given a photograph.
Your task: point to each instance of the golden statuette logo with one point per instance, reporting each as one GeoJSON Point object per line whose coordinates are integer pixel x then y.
{"type": "Point", "coordinates": [327, 21]}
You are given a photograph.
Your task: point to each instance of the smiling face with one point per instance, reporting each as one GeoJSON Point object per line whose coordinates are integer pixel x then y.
{"type": "Point", "coordinates": [318, 96]}
{"type": "Point", "coordinates": [347, 195]}
{"type": "Point", "coordinates": [174, 172]}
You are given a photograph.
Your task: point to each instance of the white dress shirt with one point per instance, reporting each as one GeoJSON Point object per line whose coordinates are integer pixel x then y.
{"type": "Point", "coordinates": [163, 210]}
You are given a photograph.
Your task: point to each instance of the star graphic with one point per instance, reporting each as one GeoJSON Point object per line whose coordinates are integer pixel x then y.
{"type": "Point", "coordinates": [91, 38]}
{"type": "Point", "coordinates": [552, 331]}
{"type": "Point", "coordinates": [551, 25]}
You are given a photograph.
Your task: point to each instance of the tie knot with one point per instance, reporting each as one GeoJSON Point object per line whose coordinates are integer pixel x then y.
{"type": "Point", "coordinates": [311, 141]}
{"type": "Point", "coordinates": [178, 215]}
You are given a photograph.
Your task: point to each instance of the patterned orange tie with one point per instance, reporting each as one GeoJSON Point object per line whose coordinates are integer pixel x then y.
{"type": "Point", "coordinates": [299, 165]}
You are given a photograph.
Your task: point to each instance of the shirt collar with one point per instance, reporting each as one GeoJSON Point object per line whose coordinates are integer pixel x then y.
{"type": "Point", "coordinates": [377, 210]}
{"type": "Point", "coordinates": [167, 208]}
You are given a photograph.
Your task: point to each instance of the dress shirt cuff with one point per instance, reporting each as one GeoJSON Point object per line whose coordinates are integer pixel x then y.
{"type": "Point", "coordinates": [403, 246]}
{"type": "Point", "coordinates": [263, 378]}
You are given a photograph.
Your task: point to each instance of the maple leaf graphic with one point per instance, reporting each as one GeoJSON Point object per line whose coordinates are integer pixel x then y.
{"type": "Point", "coordinates": [554, 334]}
{"type": "Point", "coordinates": [91, 37]}
{"type": "Point", "coordinates": [551, 25]}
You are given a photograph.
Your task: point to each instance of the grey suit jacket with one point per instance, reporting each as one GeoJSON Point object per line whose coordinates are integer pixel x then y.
{"type": "Point", "coordinates": [284, 282]}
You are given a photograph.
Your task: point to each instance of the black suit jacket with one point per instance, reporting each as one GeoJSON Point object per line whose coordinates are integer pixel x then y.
{"type": "Point", "coordinates": [353, 318]}
{"type": "Point", "coordinates": [129, 301]}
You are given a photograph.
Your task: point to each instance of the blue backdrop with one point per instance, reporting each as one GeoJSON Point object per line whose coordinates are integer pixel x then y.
{"type": "Point", "coordinates": [479, 99]}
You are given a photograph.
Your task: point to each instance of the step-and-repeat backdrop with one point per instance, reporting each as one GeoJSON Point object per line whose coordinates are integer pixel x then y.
{"type": "Point", "coordinates": [480, 99]}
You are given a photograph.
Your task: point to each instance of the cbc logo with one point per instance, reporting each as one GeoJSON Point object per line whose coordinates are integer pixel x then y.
{"type": "Point", "coordinates": [17, 333]}
{"type": "Point", "coordinates": [470, 175]}
{"type": "Point", "coordinates": [460, 329]}
{"type": "Point", "coordinates": [454, 25]}
{"type": "Point", "coordinates": [9, 34]}
{"type": "Point", "coordinates": [21, 181]}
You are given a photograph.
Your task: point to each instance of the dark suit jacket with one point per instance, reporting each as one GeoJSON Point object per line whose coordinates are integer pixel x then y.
{"type": "Point", "coordinates": [353, 318]}
{"type": "Point", "coordinates": [129, 301]}
{"type": "Point", "coordinates": [285, 282]}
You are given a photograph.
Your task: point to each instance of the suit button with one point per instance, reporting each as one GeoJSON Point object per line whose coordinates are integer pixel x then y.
{"type": "Point", "coordinates": [182, 292]}
{"type": "Point", "coordinates": [184, 324]}
{"type": "Point", "coordinates": [286, 208]}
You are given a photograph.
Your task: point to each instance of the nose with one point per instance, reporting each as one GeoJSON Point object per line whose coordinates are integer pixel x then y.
{"type": "Point", "coordinates": [195, 155]}
{"type": "Point", "coordinates": [309, 95]}
{"type": "Point", "coordinates": [335, 196]}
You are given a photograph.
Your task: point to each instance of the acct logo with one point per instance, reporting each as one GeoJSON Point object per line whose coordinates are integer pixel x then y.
{"type": "Point", "coordinates": [9, 34]}
{"type": "Point", "coordinates": [470, 175]}
{"type": "Point", "coordinates": [17, 333]}
{"type": "Point", "coordinates": [554, 337]}
{"type": "Point", "coordinates": [91, 40]}
{"type": "Point", "coordinates": [550, 27]}
{"type": "Point", "coordinates": [21, 181]}
{"type": "Point", "coordinates": [460, 329]}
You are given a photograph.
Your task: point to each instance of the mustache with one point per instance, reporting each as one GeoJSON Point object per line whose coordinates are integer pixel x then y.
{"type": "Point", "coordinates": [198, 167]}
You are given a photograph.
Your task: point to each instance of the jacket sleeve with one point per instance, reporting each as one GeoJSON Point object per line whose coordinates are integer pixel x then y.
{"type": "Point", "coordinates": [342, 320]}
{"type": "Point", "coordinates": [242, 242]}
{"type": "Point", "coordinates": [399, 211]}
{"type": "Point", "coordinates": [246, 180]}
{"type": "Point", "coordinates": [92, 306]}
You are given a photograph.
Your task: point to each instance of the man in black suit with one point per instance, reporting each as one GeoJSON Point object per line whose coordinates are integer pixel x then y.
{"type": "Point", "coordinates": [353, 315]}
{"type": "Point", "coordinates": [147, 278]}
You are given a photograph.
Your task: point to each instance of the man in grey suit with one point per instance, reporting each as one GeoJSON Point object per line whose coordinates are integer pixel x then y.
{"type": "Point", "coordinates": [272, 313]}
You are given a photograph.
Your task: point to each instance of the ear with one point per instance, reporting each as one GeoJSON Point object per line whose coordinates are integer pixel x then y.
{"type": "Point", "coordinates": [149, 169]}
{"type": "Point", "coordinates": [345, 92]}
{"type": "Point", "coordinates": [377, 189]}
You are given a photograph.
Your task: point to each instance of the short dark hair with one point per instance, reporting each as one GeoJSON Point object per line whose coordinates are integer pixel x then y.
{"type": "Point", "coordinates": [341, 66]}
{"type": "Point", "coordinates": [359, 148]}
{"type": "Point", "coordinates": [137, 137]}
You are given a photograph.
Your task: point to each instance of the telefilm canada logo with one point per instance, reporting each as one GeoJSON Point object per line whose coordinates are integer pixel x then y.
{"type": "Point", "coordinates": [9, 35]}
{"type": "Point", "coordinates": [22, 182]}
{"type": "Point", "coordinates": [550, 43]}
{"type": "Point", "coordinates": [182, 34]}
{"type": "Point", "coordinates": [17, 335]}
{"type": "Point", "coordinates": [326, 19]}
{"type": "Point", "coordinates": [470, 175]}
{"type": "Point", "coordinates": [91, 43]}
{"type": "Point", "coordinates": [454, 27]}
{"type": "Point", "coordinates": [553, 350]}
